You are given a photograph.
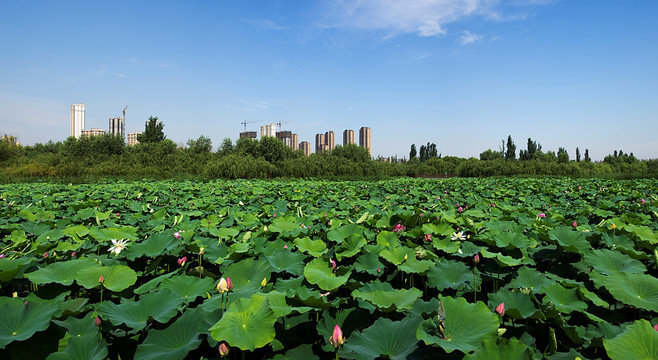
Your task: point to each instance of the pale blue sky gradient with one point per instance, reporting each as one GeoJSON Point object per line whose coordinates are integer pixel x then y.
{"type": "Point", "coordinates": [461, 74]}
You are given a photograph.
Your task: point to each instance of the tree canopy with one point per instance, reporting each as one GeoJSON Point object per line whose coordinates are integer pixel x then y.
{"type": "Point", "coordinates": [153, 131]}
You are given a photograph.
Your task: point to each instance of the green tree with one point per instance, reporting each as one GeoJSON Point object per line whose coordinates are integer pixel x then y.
{"type": "Point", "coordinates": [587, 158]}
{"type": "Point", "coordinates": [352, 152]}
{"type": "Point", "coordinates": [510, 153]}
{"type": "Point", "coordinates": [490, 155]}
{"type": "Point", "coordinates": [152, 131]}
{"type": "Point", "coordinates": [577, 154]}
{"type": "Point", "coordinates": [412, 152]}
{"type": "Point", "coordinates": [226, 147]}
{"type": "Point", "coordinates": [423, 153]}
{"type": "Point", "coordinates": [562, 155]}
{"type": "Point", "coordinates": [200, 145]}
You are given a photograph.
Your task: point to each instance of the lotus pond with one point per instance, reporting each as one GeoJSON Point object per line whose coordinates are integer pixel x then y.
{"type": "Point", "coordinates": [405, 268]}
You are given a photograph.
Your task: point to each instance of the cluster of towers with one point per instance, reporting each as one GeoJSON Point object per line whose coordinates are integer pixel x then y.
{"type": "Point", "coordinates": [117, 125]}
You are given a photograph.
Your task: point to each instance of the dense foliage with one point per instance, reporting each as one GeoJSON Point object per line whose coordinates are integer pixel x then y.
{"type": "Point", "coordinates": [406, 268]}
{"type": "Point", "coordinates": [98, 157]}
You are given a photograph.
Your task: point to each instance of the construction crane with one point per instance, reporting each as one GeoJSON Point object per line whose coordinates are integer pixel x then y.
{"type": "Point", "coordinates": [124, 112]}
{"type": "Point", "coordinates": [248, 122]}
{"type": "Point", "coordinates": [284, 122]}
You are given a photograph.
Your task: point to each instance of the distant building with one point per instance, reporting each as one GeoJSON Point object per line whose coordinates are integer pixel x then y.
{"type": "Point", "coordinates": [305, 146]}
{"type": "Point", "coordinates": [248, 135]}
{"type": "Point", "coordinates": [118, 127]}
{"type": "Point", "coordinates": [319, 143]}
{"type": "Point", "coordinates": [77, 119]}
{"type": "Point", "coordinates": [329, 140]}
{"type": "Point", "coordinates": [295, 141]}
{"type": "Point", "coordinates": [132, 138]}
{"type": "Point", "coordinates": [268, 130]}
{"type": "Point", "coordinates": [93, 132]}
{"type": "Point", "coordinates": [365, 135]}
{"type": "Point", "coordinates": [348, 137]}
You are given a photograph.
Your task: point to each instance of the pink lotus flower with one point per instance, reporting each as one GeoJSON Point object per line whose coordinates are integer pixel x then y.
{"type": "Point", "coordinates": [642, 201]}
{"type": "Point", "coordinates": [460, 209]}
{"type": "Point", "coordinates": [223, 349]}
{"type": "Point", "coordinates": [222, 286]}
{"type": "Point", "coordinates": [182, 261]}
{"type": "Point", "coordinates": [285, 246]}
{"type": "Point", "coordinates": [45, 255]}
{"type": "Point", "coordinates": [398, 228]}
{"type": "Point", "coordinates": [379, 270]}
{"type": "Point", "coordinates": [476, 259]}
{"type": "Point", "coordinates": [73, 254]}
{"type": "Point", "coordinates": [337, 338]}
{"type": "Point", "coordinates": [655, 327]}
{"type": "Point", "coordinates": [501, 308]}
{"type": "Point", "coordinates": [97, 321]}
{"type": "Point", "coordinates": [177, 234]}
{"type": "Point", "coordinates": [333, 264]}
{"type": "Point", "coordinates": [428, 237]}
{"type": "Point", "coordinates": [493, 205]}
{"type": "Point", "coordinates": [274, 215]}
{"type": "Point", "coordinates": [229, 284]}
{"type": "Point", "coordinates": [2, 256]}
{"type": "Point", "coordinates": [541, 215]}
{"type": "Point", "coordinates": [101, 279]}
{"type": "Point", "coordinates": [574, 224]}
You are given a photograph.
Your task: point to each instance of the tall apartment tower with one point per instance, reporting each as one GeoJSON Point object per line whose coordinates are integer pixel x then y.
{"type": "Point", "coordinates": [268, 130]}
{"type": "Point", "coordinates": [348, 137]}
{"type": "Point", "coordinates": [365, 135]}
{"type": "Point", "coordinates": [77, 119]}
{"type": "Point", "coordinates": [330, 140]}
{"type": "Point", "coordinates": [319, 143]}
{"type": "Point", "coordinates": [118, 127]}
{"type": "Point", "coordinates": [295, 141]}
{"type": "Point", "coordinates": [305, 146]}
{"type": "Point", "coordinates": [132, 138]}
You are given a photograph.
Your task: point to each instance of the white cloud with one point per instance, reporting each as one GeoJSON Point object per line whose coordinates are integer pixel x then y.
{"type": "Point", "coordinates": [469, 38]}
{"type": "Point", "coordinates": [266, 24]}
{"type": "Point", "coordinates": [424, 18]}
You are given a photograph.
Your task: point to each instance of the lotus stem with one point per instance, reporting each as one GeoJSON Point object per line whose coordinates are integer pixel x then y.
{"type": "Point", "coordinates": [475, 286]}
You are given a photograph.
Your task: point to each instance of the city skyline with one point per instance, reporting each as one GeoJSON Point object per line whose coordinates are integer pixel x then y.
{"type": "Point", "coordinates": [461, 74]}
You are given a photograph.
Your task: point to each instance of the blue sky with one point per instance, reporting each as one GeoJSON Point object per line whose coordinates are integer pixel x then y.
{"type": "Point", "coordinates": [463, 74]}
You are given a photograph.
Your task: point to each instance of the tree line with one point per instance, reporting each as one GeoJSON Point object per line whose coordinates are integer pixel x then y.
{"type": "Point", "coordinates": [103, 156]}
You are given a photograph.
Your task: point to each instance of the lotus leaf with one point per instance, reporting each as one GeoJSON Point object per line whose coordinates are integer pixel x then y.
{"type": "Point", "coordinates": [639, 342]}
{"type": "Point", "coordinates": [248, 324]}
{"type": "Point", "coordinates": [638, 290]}
{"type": "Point", "coordinates": [392, 339]}
{"type": "Point", "coordinates": [318, 272]}
{"type": "Point", "coordinates": [188, 287]}
{"type": "Point", "coordinates": [449, 275]}
{"type": "Point", "coordinates": [117, 277]}
{"type": "Point", "coordinates": [20, 320]}
{"type": "Point", "coordinates": [160, 306]}
{"type": "Point", "coordinates": [175, 341]}
{"type": "Point", "coordinates": [385, 297]}
{"type": "Point", "coordinates": [61, 272]}
{"type": "Point", "coordinates": [565, 300]}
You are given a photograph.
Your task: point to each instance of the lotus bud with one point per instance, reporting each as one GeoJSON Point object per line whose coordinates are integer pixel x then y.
{"type": "Point", "coordinates": [223, 349]}
{"type": "Point", "coordinates": [222, 286]}
{"type": "Point", "coordinates": [476, 259]}
{"type": "Point", "coordinates": [201, 251]}
{"type": "Point", "coordinates": [574, 224]}
{"type": "Point", "coordinates": [101, 279]}
{"type": "Point", "coordinates": [264, 282]}
{"type": "Point", "coordinates": [613, 226]}
{"type": "Point", "coordinates": [655, 327]}
{"type": "Point", "coordinates": [405, 257]}
{"type": "Point", "coordinates": [500, 309]}
{"type": "Point", "coordinates": [337, 338]}
{"type": "Point", "coordinates": [97, 321]}
{"type": "Point", "coordinates": [182, 261]}
{"type": "Point", "coordinates": [333, 264]}
{"type": "Point", "coordinates": [285, 246]}
{"type": "Point", "coordinates": [379, 270]}
{"type": "Point", "coordinates": [229, 284]}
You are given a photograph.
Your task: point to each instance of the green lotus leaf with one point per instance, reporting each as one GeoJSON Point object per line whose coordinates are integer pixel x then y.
{"type": "Point", "coordinates": [397, 255]}
{"type": "Point", "coordinates": [248, 274]}
{"type": "Point", "coordinates": [154, 246]}
{"type": "Point", "coordinates": [117, 277]}
{"type": "Point", "coordinates": [570, 240]}
{"type": "Point", "coordinates": [638, 290]}
{"type": "Point", "coordinates": [341, 233]}
{"type": "Point", "coordinates": [19, 321]}
{"type": "Point", "coordinates": [449, 275]}
{"type": "Point", "coordinates": [247, 324]}
{"type": "Point", "coordinates": [78, 327]}
{"type": "Point", "coordinates": [565, 300]}
{"type": "Point", "coordinates": [9, 268]}
{"type": "Point", "coordinates": [643, 233]}
{"type": "Point", "coordinates": [442, 229]}
{"type": "Point", "coordinates": [384, 338]}
{"type": "Point", "coordinates": [446, 245]}
{"type": "Point", "coordinates": [279, 305]}
{"type": "Point", "coordinates": [314, 248]}
{"type": "Point", "coordinates": [224, 232]}
{"type": "Point", "coordinates": [385, 297]}
{"type": "Point", "coordinates": [466, 325]}
{"type": "Point", "coordinates": [175, 341]}
{"type": "Point", "coordinates": [368, 263]}
{"type": "Point", "coordinates": [529, 278]}
{"type": "Point", "coordinates": [415, 266]}
{"type": "Point", "coordinates": [318, 272]}
{"type": "Point", "coordinates": [188, 287]}
{"type": "Point", "coordinates": [82, 347]}
{"type": "Point", "coordinates": [502, 349]}
{"type": "Point", "coordinates": [53, 235]}
{"type": "Point", "coordinates": [513, 240]}
{"type": "Point", "coordinates": [284, 224]}
{"type": "Point", "coordinates": [61, 272]}
{"type": "Point", "coordinates": [388, 239]}
{"type": "Point", "coordinates": [517, 305]}
{"type": "Point", "coordinates": [608, 262]}
{"type": "Point", "coordinates": [503, 260]}
{"type": "Point", "coordinates": [153, 283]}
{"type": "Point", "coordinates": [639, 342]}
{"type": "Point", "coordinates": [160, 306]}
{"type": "Point", "coordinates": [105, 235]}
{"type": "Point", "coordinates": [351, 246]}
{"type": "Point", "coordinates": [286, 260]}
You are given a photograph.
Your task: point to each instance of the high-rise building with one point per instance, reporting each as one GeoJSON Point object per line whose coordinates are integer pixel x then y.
{"type": "Point", "coordinates": [365, 135]}
{"type": "Point", "coordinates": [305, 146]}
{"type": "Point", "coordinates": [77, 119]}
{"type": "Point", "coordinates": [248, 135]}
{"type": "Point", "coordinates": [118, 127]}
{"type": "Point", "coordinates": [329, 140]}
{"type": "Point", "coordinates": [348, 137]}
{"type": "Point", "coordinates": [93, 132]}
{"type": "Point", "coordinates": [295, 141]}
{"type": "Point", "coordinates": [132, 138]}
{"type": "Point", "coordinates": [319, 143]}
{"type": "Point", "coordinates": [268, 130]}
